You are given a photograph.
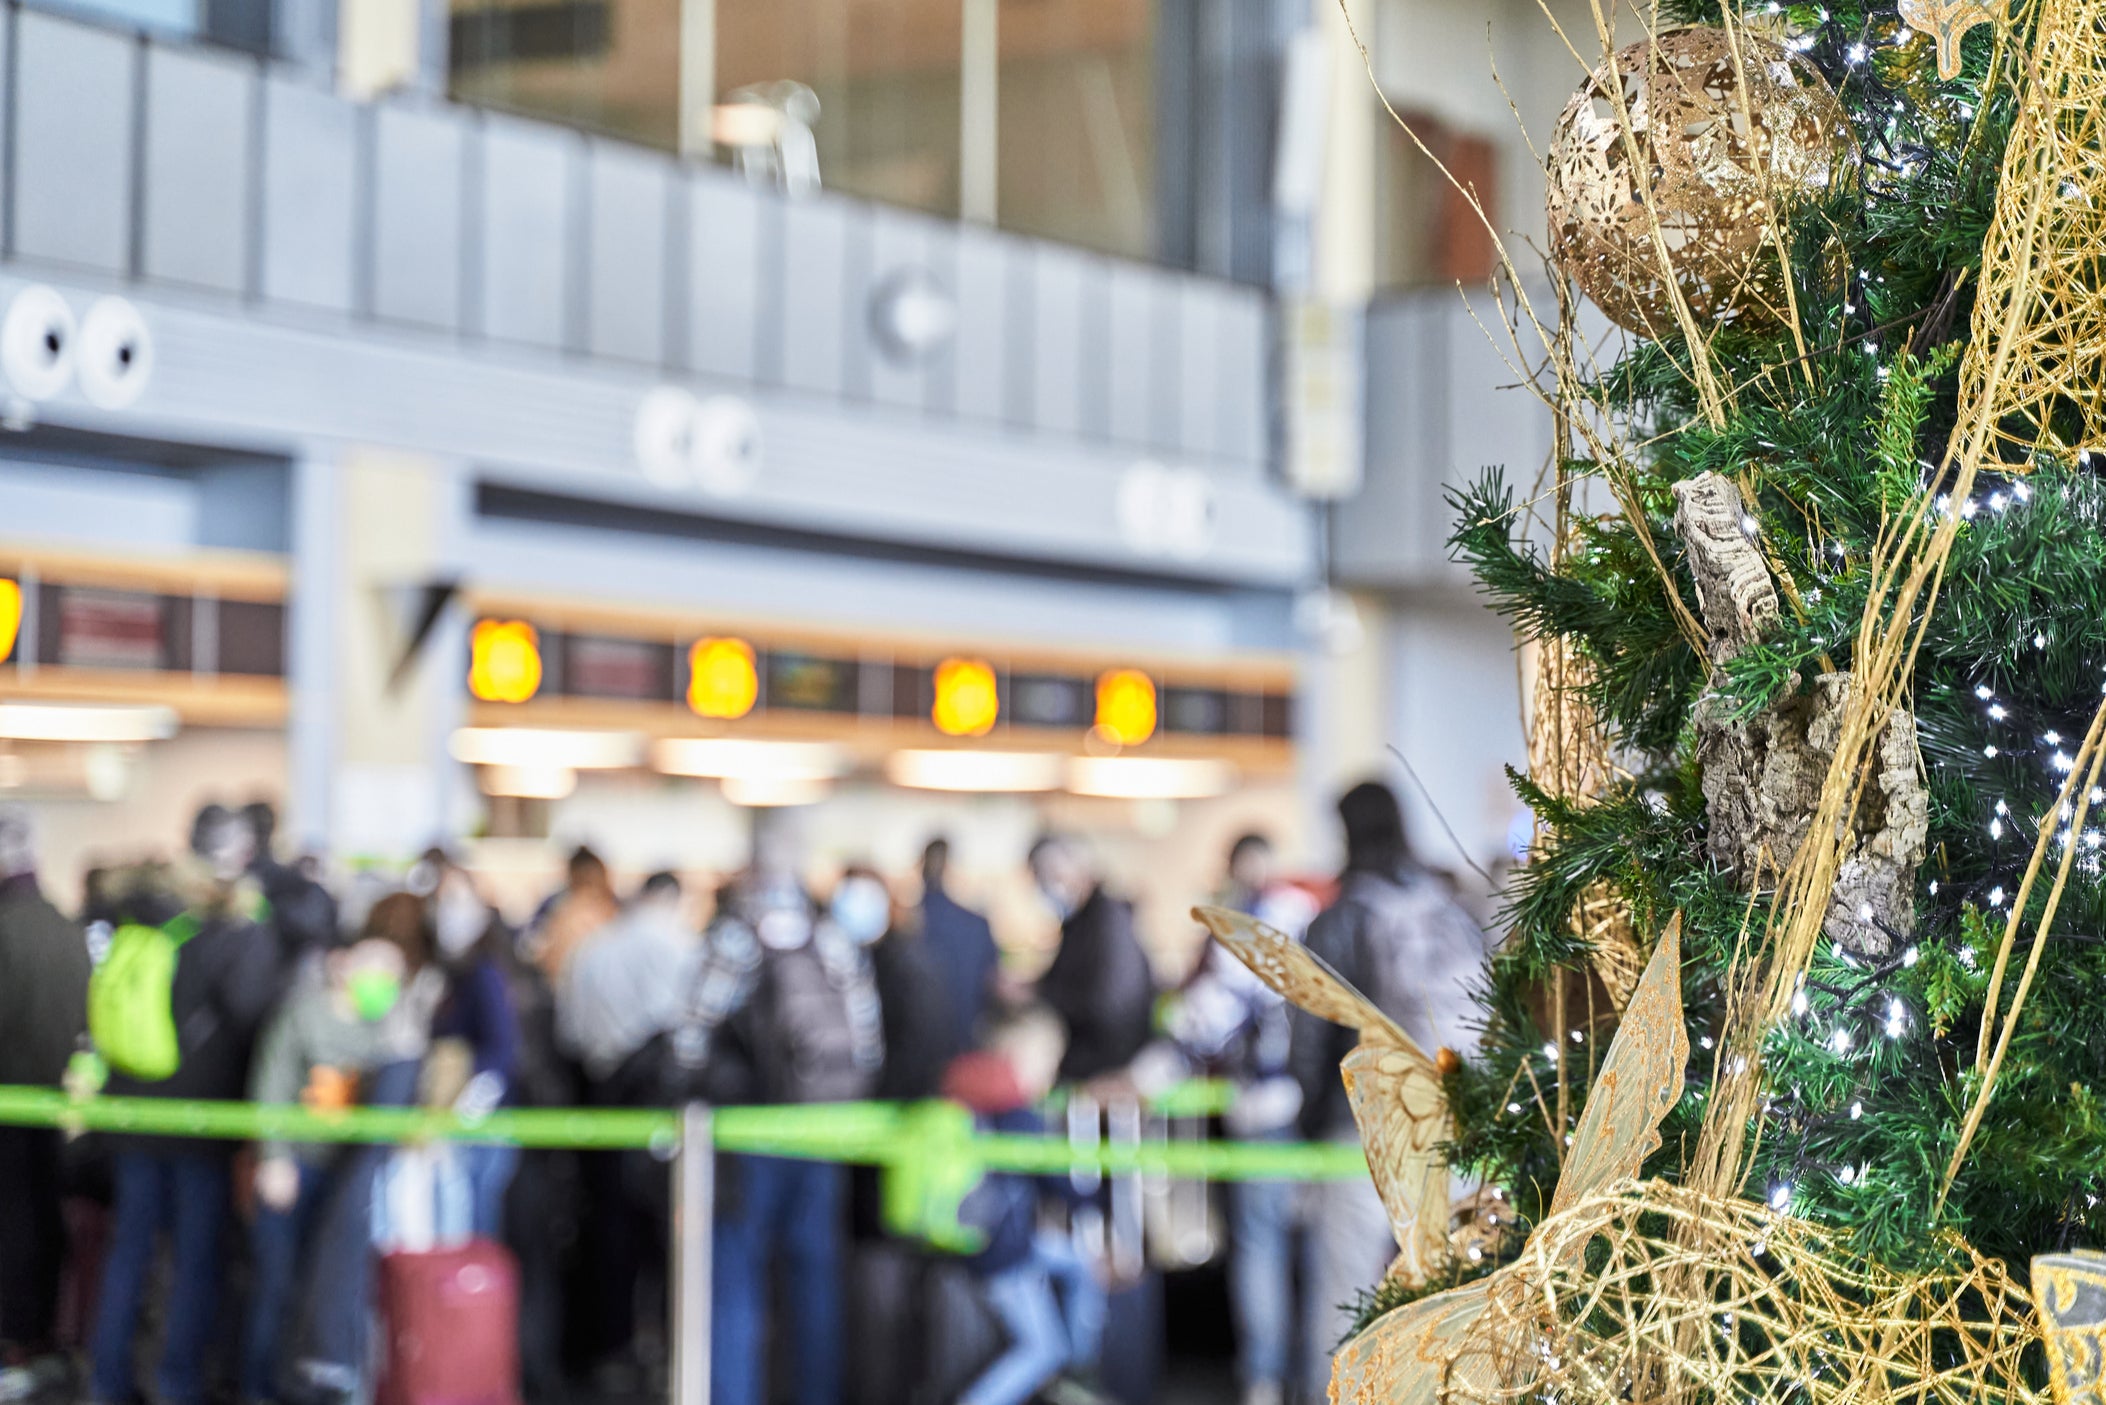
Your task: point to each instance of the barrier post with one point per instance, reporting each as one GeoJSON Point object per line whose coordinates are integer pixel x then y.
{"type": "Point", "coordinates": [694, 1223]}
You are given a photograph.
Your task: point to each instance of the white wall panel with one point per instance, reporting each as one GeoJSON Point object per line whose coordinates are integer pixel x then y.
{"type": "Point", "coordinates": [812, 294]}
{"type": "Point", "coordinates": [1240, 402]}
{"type": "Point", "coordinates": [1199, 380]}
{"type": "Point", "coordinates": [310, 190]}
{"type": "Point", "coordinates": [417, 216]}
{"type": "Point", "coordinates": [627, 201]}
{"type": "Point", "coordinates": [1130, 339]}
{"type": "Point", "coordinates": [72, 166]}
{"type": "Point", "coordinates": [525, 177]}
{"type": "Point", "coordinates": [1056, 338]}
{"type": "Point", "coordinates": [199, 128]}
{"type": "Point", "coordinates": [723, 275]}
{"type": "Point", "coordinates": [986, 340]}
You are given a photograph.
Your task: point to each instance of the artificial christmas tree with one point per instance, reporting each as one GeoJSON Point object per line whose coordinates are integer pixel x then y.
{"type": "Point", "coordinates": [1818, 741]}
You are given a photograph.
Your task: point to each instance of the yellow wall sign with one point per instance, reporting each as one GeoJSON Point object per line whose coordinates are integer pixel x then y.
{"type": "Point", "coordinates": [967, 702]}
{"type": "Point", "coordinates": [1125, 706]}
{"type": "Point", "coordinates": [504, 661]}
{"type": "Point", "coordinates": [10, 617]}
{"type": "Point", "coordinates": [721, 679]}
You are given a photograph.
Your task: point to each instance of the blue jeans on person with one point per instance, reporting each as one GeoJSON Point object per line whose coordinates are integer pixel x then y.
{"type": "Point", "coordinates": [1046, 1332]}
{"type": "Point", "coordinates": [186, 1194]}
{"type": "Point", "coordinates": [489, 1169]}
{"type": "Point", "coordinates": [276, 1240]}
{"type": "Point", "coordinates": [1261, 1230]}
{"type": "Point", "coordinates": [789, 1212]}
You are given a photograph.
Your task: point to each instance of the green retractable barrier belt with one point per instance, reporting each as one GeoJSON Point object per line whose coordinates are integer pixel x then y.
{"type": "Point", "coordinates": [931, 1153]}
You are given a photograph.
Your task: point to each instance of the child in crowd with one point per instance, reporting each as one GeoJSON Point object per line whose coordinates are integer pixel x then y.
{"type": "Point", "coordinates": [351, 1033]}
{"type": "Point", "coordinates": [1022, 1264]}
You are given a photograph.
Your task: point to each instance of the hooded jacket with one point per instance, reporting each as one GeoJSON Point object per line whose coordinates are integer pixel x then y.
{"type": "Point", "coordinates": [43, 985]}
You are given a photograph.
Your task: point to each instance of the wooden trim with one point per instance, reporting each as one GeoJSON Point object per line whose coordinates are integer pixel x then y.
{"type": "Point", "coordinates": [225, 575]}
{"type": "Point", "coordinates": [223, 700]}
{"type": "Point", "coordinates": [1257, 672]}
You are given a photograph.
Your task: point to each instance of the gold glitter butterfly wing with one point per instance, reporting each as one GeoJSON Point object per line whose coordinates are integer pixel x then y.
{"type": "Point", "coordinates": [1402, 1114]}
{"type": "Point", "coordinates": [2070, 1292]}
{"type": "Point", "coordinates": [1947, 22]}
{"type": "Point", "coordinates": [1300, 976]}
{"type": "Point", "coordinates": [1395, 1090]}
{"type": "Point", "coordinates": [1641, 1080]}
{"type": "Point", "coordinates": [1424, 1353]}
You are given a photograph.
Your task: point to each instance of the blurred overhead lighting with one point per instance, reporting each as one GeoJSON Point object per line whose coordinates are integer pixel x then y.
{"type": "Point", "coordinates": [735, 758]}
{"type": "Point", "coordinates": [543, 747]}
{"type": "Point", "coordinates": [504, 661]}
{"type": "Point", "coordinates": [1125, 706]}
{"type": "Point", "coordinates": [767, 792]}
{"type": "Point", "coordinates": [86, 722]}
{"type": "Point", "coordinates": [967, 698]}
{"type": "Point", "coordinates": [1148, 777]}
{"type": "Point", "coordinates": [10, 616]}
{"type": "Point", "coordinates": [529, 782]}
{"type": "Point", "coordinates": [721, 678]}
{"type": "Point", "coordinates": [993, 771]}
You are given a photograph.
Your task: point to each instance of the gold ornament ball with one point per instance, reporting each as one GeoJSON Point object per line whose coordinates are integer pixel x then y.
{"type": "Point", "coordinates": [1714, 162]}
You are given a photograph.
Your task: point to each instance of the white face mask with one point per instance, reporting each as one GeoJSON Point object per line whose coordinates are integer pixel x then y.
{"type": "Point", "coordinates": [862, 909]}
{"type": "Point", "coordinates": [459, 919]}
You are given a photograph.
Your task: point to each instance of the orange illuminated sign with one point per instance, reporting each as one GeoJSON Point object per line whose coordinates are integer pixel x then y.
{"type": "Point", "coordinates": [721, 679]}
{"type": "Point", "coordinates": [10, 617]}
{"type": "Point", "coordinates": [504, 661]}
{"type": "Point", "coordinates": [1125, 706]}
{"type": "Point", "coordinates": [967, 701]}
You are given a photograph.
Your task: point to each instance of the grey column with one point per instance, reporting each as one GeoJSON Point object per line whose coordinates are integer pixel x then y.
{"type": "Point", "coordinates": [314, 724]}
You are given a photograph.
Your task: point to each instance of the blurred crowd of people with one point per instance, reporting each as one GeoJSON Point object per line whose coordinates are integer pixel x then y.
{"type": "Point", "coordinates": [181, 1269]}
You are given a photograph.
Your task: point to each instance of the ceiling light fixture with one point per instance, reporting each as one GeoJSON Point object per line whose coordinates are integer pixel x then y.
{"type": "Point", "coordinates": [546, 747]}
{"type": "Point", "coordinates": [726, 758]}
{"type": "Point", "coordinates": [997, 772]}
{"type": "Point", "coordinates": [86, 722]}
{"type": "Point", "coordinates": [1149, 777]}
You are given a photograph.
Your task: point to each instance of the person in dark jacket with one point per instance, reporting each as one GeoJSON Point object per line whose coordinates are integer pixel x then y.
{"type": "Point", "coordinates": [1397, 935]}
{"type": "Point", "coordinates": [960, 948]}
{"type": "Point", "coordinates": [227, 978]}
{"type": "Point", "coordinates": [912, 1003]}
{"type": "Point", "coordinates": [1100, 983]}
{"type": "Point", "coordinates": [477, 1009]}
{"type": "Point", "coordinates": [785, 1004]}
{"type": "Point", "coordinates": [43, 1006]}
{"type": "Point", "coordinates": [303, 911]}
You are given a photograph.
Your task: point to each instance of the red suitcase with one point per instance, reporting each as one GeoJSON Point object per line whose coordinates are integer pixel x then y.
{"type": "Point", "coordinates": [449, 1320]}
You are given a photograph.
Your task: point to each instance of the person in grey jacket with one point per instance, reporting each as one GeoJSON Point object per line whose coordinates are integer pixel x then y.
{"type": "Point", "coordinates": [1396, 934]}
{"type": "Point", "coordinates": [43, 1008]}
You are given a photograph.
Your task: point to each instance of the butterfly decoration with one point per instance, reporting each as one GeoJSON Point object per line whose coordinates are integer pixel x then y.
{"type": "Point", "coordinates": [1432, 1350]}
{"type": "Point", "coordinates": [2070, 1291]}
{"type": "Point", "coordinates": [1393, 1086]}
{"type": "Point", "coordinates": [1946, 21]}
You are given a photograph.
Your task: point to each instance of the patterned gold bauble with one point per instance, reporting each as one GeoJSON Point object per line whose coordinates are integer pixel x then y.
{"type": "Point", "coordinates": [1713, 161]}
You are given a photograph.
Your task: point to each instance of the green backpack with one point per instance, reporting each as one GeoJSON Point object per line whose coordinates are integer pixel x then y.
{"type": "Point", "coordinates": [131, 1009]}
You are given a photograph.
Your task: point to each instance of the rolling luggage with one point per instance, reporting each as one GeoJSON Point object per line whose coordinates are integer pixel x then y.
{"type": "Point", "coordinates": [449, 1304]}
{"type": "Point", "coordinates": [449, 1321]}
